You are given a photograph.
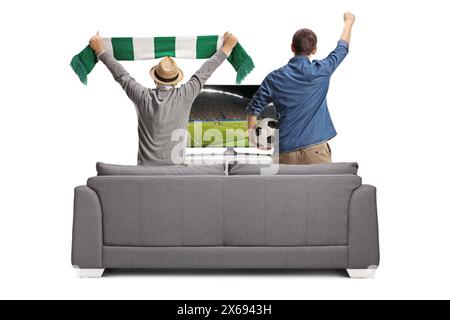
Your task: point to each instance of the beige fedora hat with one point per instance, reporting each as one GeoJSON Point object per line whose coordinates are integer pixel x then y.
{"type": "Point", "coordinates": [166, 72]}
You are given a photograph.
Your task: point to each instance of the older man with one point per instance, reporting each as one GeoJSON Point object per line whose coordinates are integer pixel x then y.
{"type": "Point", "coordinates": [164, 110]}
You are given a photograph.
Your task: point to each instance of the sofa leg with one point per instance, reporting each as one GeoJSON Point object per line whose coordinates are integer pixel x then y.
{"type": "Point", "coordinates": [361, 273]}
{"type": "Point", "coordinates": [90, 273]}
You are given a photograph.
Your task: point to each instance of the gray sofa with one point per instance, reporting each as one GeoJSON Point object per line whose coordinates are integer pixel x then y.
{"type": "Point", "coordinates": [301, 217]}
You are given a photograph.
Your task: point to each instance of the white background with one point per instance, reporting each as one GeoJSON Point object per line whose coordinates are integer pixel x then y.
{"type": "Point", "coordinates": [389, 102]}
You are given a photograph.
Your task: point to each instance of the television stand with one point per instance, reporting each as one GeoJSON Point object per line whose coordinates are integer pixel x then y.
{"type": "Point", "coordinates": [230, 152]}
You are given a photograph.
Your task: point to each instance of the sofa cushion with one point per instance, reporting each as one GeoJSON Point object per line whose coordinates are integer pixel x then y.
{"type": "Point", "coordinates": [104, 169]}
{"type": "Point", "coordinates": [284, 169]}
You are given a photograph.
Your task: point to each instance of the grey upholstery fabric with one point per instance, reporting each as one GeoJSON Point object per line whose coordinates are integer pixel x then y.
{"type": "Point", "coordinates": [104, 169]}
{"type": "Point", "coordinates": [226, 257]}
{"type": "Point", "coordinates": [230, 211]}
{"type": "Point", "coordinates": [363, 247]}
{"type": "Point", "coordinates": [287, 210]}
{"type": "Point", "coordinates": [160, 211]}
{"type": "Point", "coordinates": [87, 239]}
{"type": "Point", "coordinates": [314, 169]}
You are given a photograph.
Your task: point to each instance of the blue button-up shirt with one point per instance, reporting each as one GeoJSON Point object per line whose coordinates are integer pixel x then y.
{"type": "Point", "coordinates": [299, 92]}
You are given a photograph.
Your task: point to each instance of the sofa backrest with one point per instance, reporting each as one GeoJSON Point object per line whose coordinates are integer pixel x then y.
{"type": "Point", "coordinates": [225, 210]}
{"type": "Point", "coordinates": [105, 169]}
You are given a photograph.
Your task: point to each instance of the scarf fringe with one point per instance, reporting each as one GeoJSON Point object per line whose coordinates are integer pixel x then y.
{"type": "Point", "coordinates": [78, 67]}
{"type": "Point", "coordinates": [83, 63]}
{"type": "Point", "coordinates": [244, 69]}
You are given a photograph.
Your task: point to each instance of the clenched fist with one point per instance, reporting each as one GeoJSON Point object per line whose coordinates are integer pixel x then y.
{"type": "Point", "coordinates": [96, 43]}
{"type": "Point", "coordinates": [229, 42]}
{"type": "Point", "coordinates": [349, 18]}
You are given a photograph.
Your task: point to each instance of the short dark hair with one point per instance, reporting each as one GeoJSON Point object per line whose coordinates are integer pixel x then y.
{"type": "Point", "coordinates": [304, 42]}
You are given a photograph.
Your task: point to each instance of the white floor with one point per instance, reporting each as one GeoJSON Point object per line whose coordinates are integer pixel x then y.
{"type": "Point", "coordinates": [221, 285]}
{"type": "Point", "coordinates": [55, 278]}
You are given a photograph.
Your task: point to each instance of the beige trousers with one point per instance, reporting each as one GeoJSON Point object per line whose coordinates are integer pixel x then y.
{"type": "Point", "coordinates": [320, 153]}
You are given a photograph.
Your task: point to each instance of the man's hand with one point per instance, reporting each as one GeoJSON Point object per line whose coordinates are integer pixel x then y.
{"type": "Point", "coordinates": [251, 120]}
{"type": "Point", "coordinates": [96, 43]}
{"type": "Point", "coordinates": [349, 18]}
{"type": "Point", "coordinates": [229, 42]}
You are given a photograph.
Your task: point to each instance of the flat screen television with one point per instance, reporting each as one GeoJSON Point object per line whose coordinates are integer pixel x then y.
{"type": "Point", "coordinates": [218, 118]}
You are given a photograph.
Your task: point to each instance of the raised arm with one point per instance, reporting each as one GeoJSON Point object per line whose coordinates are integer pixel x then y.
{"type": "Point", "coordinates": [197, 81]}
{"type": "Point", "coordinates": [349, 20]}
{"type": "Point", "coordinates": [335, 58]}
{"type": "Point", "coordinates": [133, 89]}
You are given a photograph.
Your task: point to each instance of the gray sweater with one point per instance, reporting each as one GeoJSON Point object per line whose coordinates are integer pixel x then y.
{"type": "Point", "coordinates": [163, 113]}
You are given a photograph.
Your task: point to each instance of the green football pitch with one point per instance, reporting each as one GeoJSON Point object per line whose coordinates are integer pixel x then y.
{"type": "Point", "coordinates": [218, 134]}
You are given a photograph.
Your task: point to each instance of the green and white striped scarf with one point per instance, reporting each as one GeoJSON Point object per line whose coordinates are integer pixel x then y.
{"type": "Point", "coordinates": [201, 47]}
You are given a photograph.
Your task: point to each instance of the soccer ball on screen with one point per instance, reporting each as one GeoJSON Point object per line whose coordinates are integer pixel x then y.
{"type": "Point", "coordinates": [264, 133]}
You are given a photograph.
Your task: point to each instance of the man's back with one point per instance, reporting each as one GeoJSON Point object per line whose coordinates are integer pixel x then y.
{"type": "Point", "coordinates": [299, 91]}
{"type": "Point", "coordinates": [163, 113]}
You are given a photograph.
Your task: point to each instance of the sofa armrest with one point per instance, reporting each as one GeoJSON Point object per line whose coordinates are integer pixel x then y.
{"type": "Point", "coordinates": [87, 236]}
{"type": "Point", "coordinates": [363, 241]}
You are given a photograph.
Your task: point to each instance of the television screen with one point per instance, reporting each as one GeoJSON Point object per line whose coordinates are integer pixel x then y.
{"type": "Point", "coordinates": [218, 118]}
